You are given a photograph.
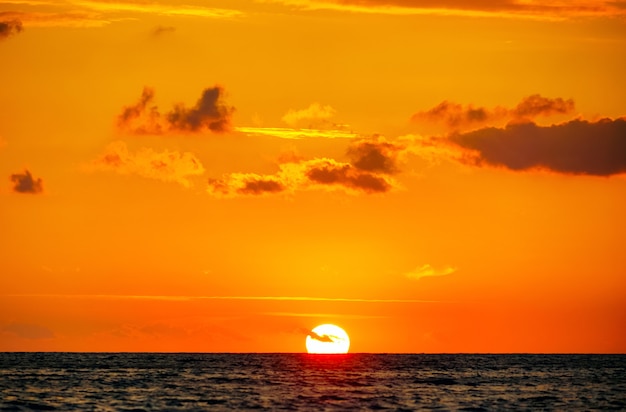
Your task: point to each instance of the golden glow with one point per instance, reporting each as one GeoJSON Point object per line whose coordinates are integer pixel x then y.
{"type": "Point", "coordinates": [327, 339]}
{"type": "Point", "coordinates": [203, 175]}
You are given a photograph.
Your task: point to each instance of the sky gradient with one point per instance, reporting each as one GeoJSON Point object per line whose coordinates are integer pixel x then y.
{"type": "Point", "coordinates": [432, 176]}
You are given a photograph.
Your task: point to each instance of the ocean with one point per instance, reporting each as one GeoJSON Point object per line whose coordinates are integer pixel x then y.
{"type": "Point", "coordinates": [197, 382]}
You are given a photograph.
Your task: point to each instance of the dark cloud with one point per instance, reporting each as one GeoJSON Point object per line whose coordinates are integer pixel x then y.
{"type": "Point", "coordinates": [374, 156]}
{"type": "Point", "coordinates": [25, 183]}
{"type": "Point", "coordinates": [160, 30]}
{"type": "Point", "coordinates": [321, 338]}
{"type": "Point", "coordinates": [9, 28]}
{"type": "Point", "coordinates": [209, 113]}
{"type": "Point", "coordinates": [28, 331]}
{"type": "Point", "coordinates": [344, 174]}
{"type": "Point", "coordinates": [260, 186]}
{"type": "Point", "coordinates": [575, 147]}
{"type": "Point", "coordinates": [458, 117]}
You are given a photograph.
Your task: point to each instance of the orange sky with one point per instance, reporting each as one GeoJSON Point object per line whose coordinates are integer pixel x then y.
{"type": "Point", "coordinates": [432, 176]}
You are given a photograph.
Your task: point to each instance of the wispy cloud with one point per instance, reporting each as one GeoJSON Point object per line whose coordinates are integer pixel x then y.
{"type": "Point", "coordinates": [310, 116]}
{"type": "Point", "coordinates": [527, 9]}
{"type": "Point", "coordinates": [322, 315]}
{"type": "Point", "coordinates": [98, 13]}
{"type": "Point", "coordinates": [429, 271]}
{"type": "Point", "coordinates": [210, 113]}
{"type": "Point", "coordinates": [160, 8]}
{"type": "Point", "coordinates": [26, 183]}
{"type": "Point", "coordinates": [296, 133]}
{"type": "Point", "coordinates": [28, 331]}
{"type": "Point", "coordinates": [234, 298]}
{"type": "Point", "coordinates": [167, 166]}
{"type": "Point", "coordinates": [457, 117]}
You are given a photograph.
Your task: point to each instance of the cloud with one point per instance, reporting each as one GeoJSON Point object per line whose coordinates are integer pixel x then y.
{"type": "Point", "coordinates": [314, 114]}
{"type": "Point", "coordinates": [98, 13]}
{"type": "Point", "coordinates": [209, 114]}
{"type": "Point", "coordinates": [77, 18]}
{"type": "Point", "coordinates": [9, 28]}
{"type": "Point", "coordinates": [29, 331]}
{"type": "Point", "coordinates": [25, 183]}
{"type": "Point", "coordinates": [330, 172]}
{"type": "Point", "coordinates": [167, 166]}
{"type": "Point", "coordinates": [319, 173]}
{"type": "Point", "coordinates": [375, 155]}
{"type": "Point", "coordinates": [429, 271]}
{"type": "Point", "coordinates": [292, 133]}
{"type": "Point", "coordinates": [246, 184]}
{"type": "Point", "coordinates": [458, 117]}
{"type": "Point", "coordinates": [575, 147]}
{"type": "Point", "coordinates": [160, 8]}
{"type": "Point", "coordinates": [533, 9]}
{"type": "Point", "coordinates": [161, 30]}
{"type": "Point", "coordinates": [372, 162]}
{"type": "Point", "coordinates": [321, 338]}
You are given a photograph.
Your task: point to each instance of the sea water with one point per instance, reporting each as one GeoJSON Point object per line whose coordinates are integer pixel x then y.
{"type": "Point", "coordinates": [195, 382]}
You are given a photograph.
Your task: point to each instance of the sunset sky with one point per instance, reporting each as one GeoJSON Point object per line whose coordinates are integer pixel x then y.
{"type": "Point", "coordinates": [208, 176]}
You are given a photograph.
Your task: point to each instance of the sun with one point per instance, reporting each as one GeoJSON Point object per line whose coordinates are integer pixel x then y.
{"type": "Point", "coordinates": [327, 338]}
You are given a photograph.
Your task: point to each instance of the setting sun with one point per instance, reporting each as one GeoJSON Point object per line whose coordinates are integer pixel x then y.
{"type": "Point", "coordinates": [327, 339]}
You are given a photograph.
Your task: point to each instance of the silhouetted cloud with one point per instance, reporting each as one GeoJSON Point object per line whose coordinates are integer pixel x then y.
{"type": "Point", "coordinates": [321, 338]}
{"type": "Point", "coordinates": [575, 147]}
{"type": "Point", "coordinates": [428, 271]}
{"type": "Point", "coordinates": [9, 28]}
{"type": "Point", "coordinates": [29, 331]}
{"type": "Point", "coordinates": [160, 30]}
{"type": "Point", "coordinates": [330, 172]}
{"type": "Point", "coordinates": [210, 113]}
{"type": "Point", "coordinates": [375, 155]}
{"type": "Point", "coordinates": [167, 166]}
{"type": "Point", "coordinates": [246, 184]}
{"type": "Point", "coordinates": [25, 183]}
{"type": "Point", "coordinates": [458, 117]}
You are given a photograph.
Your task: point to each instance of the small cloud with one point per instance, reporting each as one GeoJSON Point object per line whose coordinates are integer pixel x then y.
{"type": "Point", "coordinates": [375, 155]}
{"type": "Point", "coordinates": [10, 28]}
{"type": "Point", "coordinates": [25, 183]}
{"type": "Point", "coordinates": [209, 114]}
{"type": "Point", "coordinates": [29, 331]}
{"type": "Point", "coordinates": [167, 166]}
{"type": "Point", "coordinates": [332, 173]}
{"type": "Point", "coordinates": [161, 30]}
{"type": "Point", "coordinates": [429, 271]}
{"type": "Point", "coordinates": [321, 338]}
{"type": "Point", "coordinates": [246, 184]}
{"type": "Point", "coordinates": [312, 115]}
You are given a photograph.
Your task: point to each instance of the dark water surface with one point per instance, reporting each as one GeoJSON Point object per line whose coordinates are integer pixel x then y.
{"type": "Point", "coordinates": [176, 382]}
